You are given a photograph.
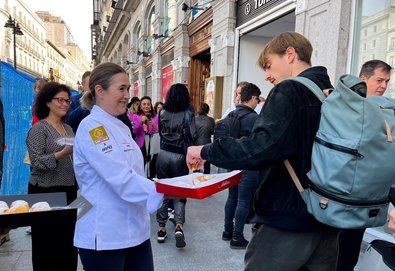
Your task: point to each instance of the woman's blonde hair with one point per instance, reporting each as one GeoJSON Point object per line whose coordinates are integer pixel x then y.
{"type": "Point", "coordinates": [101, 75]}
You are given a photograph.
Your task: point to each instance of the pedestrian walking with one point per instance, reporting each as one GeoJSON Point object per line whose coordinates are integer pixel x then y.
{"type": "Point", "coordinates": [52, 171]}
{"type": "Point", "coordinates": [239, 201]}
{"type": "Point", "coordinates": [177, 132]}
{"type": "Point", "coordinates": [114, 234]}
{"type": "Point", "coordinates": [205, 129]}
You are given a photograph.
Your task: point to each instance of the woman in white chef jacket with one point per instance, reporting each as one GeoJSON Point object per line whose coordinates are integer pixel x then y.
{"type": "Point", "coordinates": [114, 234]}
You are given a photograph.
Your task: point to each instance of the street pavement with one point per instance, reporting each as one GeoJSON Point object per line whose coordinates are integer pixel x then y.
{"type": "Point", "coordinates": [204, 251]}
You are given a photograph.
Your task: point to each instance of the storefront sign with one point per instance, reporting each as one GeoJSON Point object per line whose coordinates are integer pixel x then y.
{"type": "Point", "coordinates": [167, 80]}
{"type": "Point", "coordinates": [249, 9]}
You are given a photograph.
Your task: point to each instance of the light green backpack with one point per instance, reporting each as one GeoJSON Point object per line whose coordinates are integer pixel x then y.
{"type": "Point", "coordinates": [353, 158]}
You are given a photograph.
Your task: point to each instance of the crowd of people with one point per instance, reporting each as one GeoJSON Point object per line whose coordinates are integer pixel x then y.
{"type": "Point", "coordinates": [122, 143]}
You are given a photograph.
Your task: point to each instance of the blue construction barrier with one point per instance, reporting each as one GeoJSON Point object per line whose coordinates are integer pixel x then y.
{"type": "Point", "coordinates": [16, 93]}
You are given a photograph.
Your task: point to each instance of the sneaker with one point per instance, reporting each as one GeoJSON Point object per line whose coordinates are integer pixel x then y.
{"type": "Point", "coordinates": [238, 243]}
{"type": "Point", "coordinates": [226, 236]}
{"type": "Point", "coordinates": [180, 239]}
{"type": "Point", "coordinates": [161, 236]}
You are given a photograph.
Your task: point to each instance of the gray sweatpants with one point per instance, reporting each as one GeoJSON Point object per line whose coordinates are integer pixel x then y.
{"type": "Point", "coordinates": [273, 249]}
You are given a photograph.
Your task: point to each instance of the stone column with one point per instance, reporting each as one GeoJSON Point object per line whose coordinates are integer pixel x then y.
{"type": "Point", "coordinates": [222, 45]}
{"type": "Point", "coordinates": [156, 56]}
{"type": "Point", "coordinates": [181, 55]}
{"type": "Point", "coordinates": [141, 62]}
{"type": "Point", "coordinates": [330, 47]}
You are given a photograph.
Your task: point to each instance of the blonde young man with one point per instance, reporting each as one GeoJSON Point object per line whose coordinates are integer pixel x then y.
{"type": "Point", "coordinates": [289, 238]}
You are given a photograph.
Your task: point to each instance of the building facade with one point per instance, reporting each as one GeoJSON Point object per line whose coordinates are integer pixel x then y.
{"type": "Point", "coordinates": [31, 46]}
{"type": "Point", "coordinates": [54, 63]}
{"type": "Point", "coordinates": [46, 49]}
{"type": "Point", "coordinates": [210, 50]}
{"type": "Point", "coordinates": [60, 36]}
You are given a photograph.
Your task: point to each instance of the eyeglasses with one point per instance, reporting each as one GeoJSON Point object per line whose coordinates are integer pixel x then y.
{"type": "Point", "coordinates": [62, 100]}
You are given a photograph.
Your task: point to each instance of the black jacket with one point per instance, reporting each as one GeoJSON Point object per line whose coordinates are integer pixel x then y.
{"type": "Point", "coordinates": [75, 117]}
{"type": "Point", "coordinates": [205, 129]}
{"type": "Point", "coordinates": [285, 129]}
{"type": "Point", "coordinates": [171, 130]}
{"type": "Point", "coordinates": [247, 120]}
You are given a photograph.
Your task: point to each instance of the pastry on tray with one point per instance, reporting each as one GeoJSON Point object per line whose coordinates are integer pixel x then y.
{"type": "Point", "coordinates": [201, 179]}
{"type": "Point", "coordinates": [19, 206]}
{"type": "Point", "coordinates": [40, 206]}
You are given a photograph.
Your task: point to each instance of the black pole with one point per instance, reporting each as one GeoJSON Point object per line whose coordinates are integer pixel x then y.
{"type": "Point", "coordinates": [13, 32]}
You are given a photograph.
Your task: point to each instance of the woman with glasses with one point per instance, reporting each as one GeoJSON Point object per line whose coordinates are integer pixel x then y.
{"type": "Point", "coordinates": [52, 171]}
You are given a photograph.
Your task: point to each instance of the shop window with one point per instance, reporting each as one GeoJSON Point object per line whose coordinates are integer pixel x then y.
{"type": "Point", "coordinates": [199, 3]}
{"type": "Point", "coordinates": [391, 61]}
{"type": "Point", "coordinates": [137, 41]}
{"type": "Point", "coordinates": [392, 43]}
{"type": "Point", "coordinates": [170, 17]}
{"type": "Point", "coordinates": [150, 29]}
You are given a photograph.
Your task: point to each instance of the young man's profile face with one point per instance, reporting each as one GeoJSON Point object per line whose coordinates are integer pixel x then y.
{"type": "Point", "coordinates": [377, 83]}
{"type": "Point", "coordinates": [238, 95]}
{"type": "Point", "coordinates": [277, 68]}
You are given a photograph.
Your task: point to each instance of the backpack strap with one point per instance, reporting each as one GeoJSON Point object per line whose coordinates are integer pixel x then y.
{"type": "Point", "coordinates": [293, 175]}
{"type": "Point", "coordinates": [321, 96]}
{"type": "Point", "coordinates": [311, 86]}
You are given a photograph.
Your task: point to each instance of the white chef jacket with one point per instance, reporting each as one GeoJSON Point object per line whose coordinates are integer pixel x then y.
{"type": "Point", "coordinates": [109, 169]}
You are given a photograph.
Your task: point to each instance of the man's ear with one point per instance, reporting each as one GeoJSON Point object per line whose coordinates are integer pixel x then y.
{"type": "Point", "coordinates": [363, 78]}
{"type": "Point", "coordinates": [291, 55]}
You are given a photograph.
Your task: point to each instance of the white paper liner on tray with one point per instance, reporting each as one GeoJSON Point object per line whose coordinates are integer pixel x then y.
{"type": "Point", "coordinates": [186, 181]}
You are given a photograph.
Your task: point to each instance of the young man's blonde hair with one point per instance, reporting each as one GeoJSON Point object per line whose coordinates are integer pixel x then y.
{"type": "Point", "coordinates": [279, 44]}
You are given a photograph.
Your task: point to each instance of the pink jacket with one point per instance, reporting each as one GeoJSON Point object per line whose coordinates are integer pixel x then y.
{"type": "Point", "coordinates": [140, 129]}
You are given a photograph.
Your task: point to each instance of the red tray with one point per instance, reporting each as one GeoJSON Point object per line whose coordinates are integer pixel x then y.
{"type": "Point", "coordinates": [199, 192]}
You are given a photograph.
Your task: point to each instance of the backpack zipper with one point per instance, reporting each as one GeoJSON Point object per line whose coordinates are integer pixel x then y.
{"type": "Point", "coordinates": [339, 148]}
{"type": "Point", "coordinates": [325, 194]}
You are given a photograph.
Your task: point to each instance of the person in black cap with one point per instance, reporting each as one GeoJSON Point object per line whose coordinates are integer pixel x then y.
{"type": "Point", "coordinates": [133, 105]}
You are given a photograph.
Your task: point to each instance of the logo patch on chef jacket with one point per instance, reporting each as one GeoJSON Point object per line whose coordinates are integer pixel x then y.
{"type": "Point", "coordinates": [99, 135]}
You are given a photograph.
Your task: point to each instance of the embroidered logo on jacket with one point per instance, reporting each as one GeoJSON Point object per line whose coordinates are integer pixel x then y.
{"type": "Point", "coordinates": [99, 135]}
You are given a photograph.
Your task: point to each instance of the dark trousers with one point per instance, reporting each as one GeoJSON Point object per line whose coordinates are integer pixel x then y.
{"type": "Point", "coordinates": [349, 248]}
{"type": "Point", "coordinates": [239, 202]}
{"type": "Point", "coordinates": [273, 249]}
{"type": "Point", "coordinates": [138, 258]}
{"type": "Point", "coordinates": [52, 246]}
{"type": "Point", "coordinates": [152, 166]}
{"type": "Point", "coordinates": [170, 165]}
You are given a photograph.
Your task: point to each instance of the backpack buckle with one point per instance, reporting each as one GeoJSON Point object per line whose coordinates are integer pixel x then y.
{"type": "Point", "coordinates": [324, 203]}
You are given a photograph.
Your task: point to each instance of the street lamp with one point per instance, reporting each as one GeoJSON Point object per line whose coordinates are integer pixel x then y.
{"type": "Point", "coordinates": [16, 30]}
